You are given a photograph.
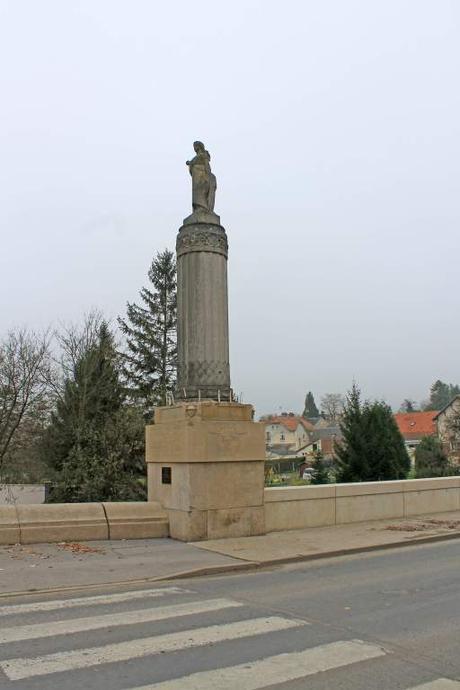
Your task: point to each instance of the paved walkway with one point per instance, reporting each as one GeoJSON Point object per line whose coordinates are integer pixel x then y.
{"type": "Point", "coordinates": [320, 542]}
{"type": "Point", "coordinates": [55, 566]}
{"type": "Point", "coordinates": [60, 566]}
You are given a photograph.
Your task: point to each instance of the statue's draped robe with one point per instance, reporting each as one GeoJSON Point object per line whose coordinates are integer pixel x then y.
{"type": "Point", "coordinates": [203, 183]}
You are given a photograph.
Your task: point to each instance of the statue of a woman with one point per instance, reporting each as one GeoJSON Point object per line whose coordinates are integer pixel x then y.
{"type": "Point", "coordinates": [203, 181]}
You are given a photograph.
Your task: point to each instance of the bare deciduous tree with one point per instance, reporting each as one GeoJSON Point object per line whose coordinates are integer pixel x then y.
{"type": "Point", "coordinates": [332, 406]}
{"type": "Point", "coordinates": [74, 340]}
{"type": "Point", "coordinates": [25, 374]}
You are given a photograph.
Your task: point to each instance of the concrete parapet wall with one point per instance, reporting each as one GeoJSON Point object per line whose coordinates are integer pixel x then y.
{"type": "Point", "coordinates": [32, 524]}
{"type": "Point", "coordinates": [62, 522]}
{"type": "Point", "coordinates": [335, 504]}
{"type": "Point", "coordinates": [9, 525]}
{"type": "Point", "coordinates": [136, 520]}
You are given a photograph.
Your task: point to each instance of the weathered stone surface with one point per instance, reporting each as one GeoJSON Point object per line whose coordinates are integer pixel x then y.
{"type": "Point", "coordinates": [201, 216]}
{"type": "Point", "coordinates": [215, 454]}
{"type": "Point", "coordinates": [355, 508]}
{"type": "Point", "coordinates": [440, 500]}
{"type": "Point", "coordinates": [206, 410]}
{"type": "Point", "coordinates": [136, 520]}
{"type": "Point", "coordinates": [62, 522]}
{"type": "Point", "coordinates": [286, 515]}
{"type": "Point", "coordinates": [204, 183]}
{"type": "Point", "coordinates": [202, 313]}
{"type": "Point", "coordinates": [202, 238]}
{"type": "Point", "coordinates": [314, 506]}
{"type": "Point", "coordinates": [208, 486]}
{"type": "Point", "coordinates": [188, 525]}
{"type": "Point", "coordinates": [191, 437]}
{"type": "Point", "coordinates": [9, 525]}
{"type": "Point", "coordinates": [235, 522]}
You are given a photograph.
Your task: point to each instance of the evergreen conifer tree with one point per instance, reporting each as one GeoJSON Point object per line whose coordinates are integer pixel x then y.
{"type": "Point", "coordinates": [94, 442]}
{"type": "Point", "coordinates": [351, 455]}
{"type": "Point", "coordinates": [430, 459]}
{"type": "Point", "coordinates": [149, 362]}
{"type": "Point", "coordinates": [310, 409]}
{"type": "Point", "coordinates": [388, 457]}
{"type": "Point", "coordinates": [320, 474]}
{"type": "Point", "coordinates": [441, 394]}
{"type": "Point", "coordinates": [372, 448]}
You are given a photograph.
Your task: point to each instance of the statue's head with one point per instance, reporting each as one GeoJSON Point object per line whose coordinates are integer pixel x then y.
{"type": "Point", "coordinates": [198, 146]}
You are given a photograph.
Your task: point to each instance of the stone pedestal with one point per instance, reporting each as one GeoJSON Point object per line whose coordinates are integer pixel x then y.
{"type": "Point", "coordinates": [203, 370]}
{"type": "Point", "coordinates": [206, 468]}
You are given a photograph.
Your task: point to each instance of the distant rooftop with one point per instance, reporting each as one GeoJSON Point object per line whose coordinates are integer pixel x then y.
{"type": "Point", "coordinates": [416, 424]}
{"type": "Point", "coordinates": [289, 421]}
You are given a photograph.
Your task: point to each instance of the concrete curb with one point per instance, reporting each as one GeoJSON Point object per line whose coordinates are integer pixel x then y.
{"type": "Point", "coordinates": [197, 572]}
{"type": "Point", "coordinates": [246, 566]}
{"type": "Point", "coordinates": [334, 554]}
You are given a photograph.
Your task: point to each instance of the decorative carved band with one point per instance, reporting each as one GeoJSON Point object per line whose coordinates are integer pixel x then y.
{"type": "Point", "coordinates": [203, 374]}
{"type": "Point", "coordinates": [202, 238]}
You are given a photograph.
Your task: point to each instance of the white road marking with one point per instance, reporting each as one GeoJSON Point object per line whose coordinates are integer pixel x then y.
{"type": "Point", "coordinates": [16, 669]}
{"type": "Point", "coordinates": [440, 684]}
{"type": "Point", "coordinates": [98, 600]}
{"type": "Point", "coordinates": [275, 669]}
{"type": "Point", "coordinates": [110, 620]}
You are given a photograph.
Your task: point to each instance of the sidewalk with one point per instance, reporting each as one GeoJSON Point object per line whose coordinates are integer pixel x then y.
{"type": "Point", "coordinates": [40, 567]}
{"type": "Point", "coordinates": [323, 542]}
{"type": "Point", "coordinates": [64, 566]}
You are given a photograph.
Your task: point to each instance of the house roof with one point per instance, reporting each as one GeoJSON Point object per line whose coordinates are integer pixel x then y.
{"type": "Point", "coordinates": [282, 449]}
{"type": "Point", "coordinates": [290, 422]}
{"type": "Point", "coordinates": [457, 397]}
{"type": "Point", "coordinates": [327, 432]}
{"type": "Point", "coordinates": [416, 424]}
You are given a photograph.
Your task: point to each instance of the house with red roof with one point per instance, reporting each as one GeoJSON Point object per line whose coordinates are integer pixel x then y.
{"type": "Point", "coordinates": [285, 434]}
{"type": "Point", "coordinates": [414, 426]}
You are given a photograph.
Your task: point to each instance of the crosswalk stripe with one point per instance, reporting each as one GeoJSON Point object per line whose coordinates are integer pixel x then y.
{"type": "Point", "coordinates": [75, 625]}
{"type": "Point", "coordinates": [16, 669]}
{"type": "Point", "coordinates": [440, 684]}
{"type": "Point", "coordinates": [275, 669]}
{"type": "Point", "coordinates": [99, 600]}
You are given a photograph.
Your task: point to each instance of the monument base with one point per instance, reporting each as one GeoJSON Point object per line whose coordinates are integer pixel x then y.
{"type": "Point", "coordinates": [206, 467]}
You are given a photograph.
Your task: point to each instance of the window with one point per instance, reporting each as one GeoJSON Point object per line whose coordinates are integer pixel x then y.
{"type": "Point", "coordinates": [282, 438]}
{"type": "Point", "coordinates": [268, 437]}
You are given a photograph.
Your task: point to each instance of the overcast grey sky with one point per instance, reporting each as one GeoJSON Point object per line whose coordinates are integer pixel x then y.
{"type": "Point", "coordinates": [334, 130]}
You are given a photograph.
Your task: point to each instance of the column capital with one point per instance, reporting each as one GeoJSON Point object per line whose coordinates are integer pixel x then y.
{"type": "Point", "coordinates": [202, 237]}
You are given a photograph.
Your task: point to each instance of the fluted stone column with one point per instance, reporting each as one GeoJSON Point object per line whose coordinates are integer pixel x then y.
{"type": "Point", "coordinates": [202, 312]}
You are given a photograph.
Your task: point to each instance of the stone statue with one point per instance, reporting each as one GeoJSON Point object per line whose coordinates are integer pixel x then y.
{"type": "Point", "coordinates": [203, 181]}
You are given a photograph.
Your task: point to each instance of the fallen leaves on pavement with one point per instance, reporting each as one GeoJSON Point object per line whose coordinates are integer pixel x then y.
{"type": "Point", "coordinates": [423, 525]}
{"type": "Point", "coordinates": [75, 547]}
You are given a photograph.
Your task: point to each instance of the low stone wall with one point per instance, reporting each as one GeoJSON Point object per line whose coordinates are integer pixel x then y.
{"type": "Point", "coordinates": [56, 522]}
{"type": "Point", "coordinates": [335, 504]}
{"type": "Point", "coordinates": [285, 508]}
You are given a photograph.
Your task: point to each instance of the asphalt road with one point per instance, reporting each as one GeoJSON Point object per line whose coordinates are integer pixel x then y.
{"type": "Point", "coordinates": [378, 621]}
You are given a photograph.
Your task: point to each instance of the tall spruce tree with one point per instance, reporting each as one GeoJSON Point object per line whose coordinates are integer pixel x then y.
{"type": "Point", "coordinates": [351, 456]}
{"type": "Point", "coordinates": [310, 410]}
{"type": "Point", "coordinates": [94, 442]}
{"type": "Point", "coordinates": [372, 448]}
{"type": "Point", "coordinates": [149, 362]}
